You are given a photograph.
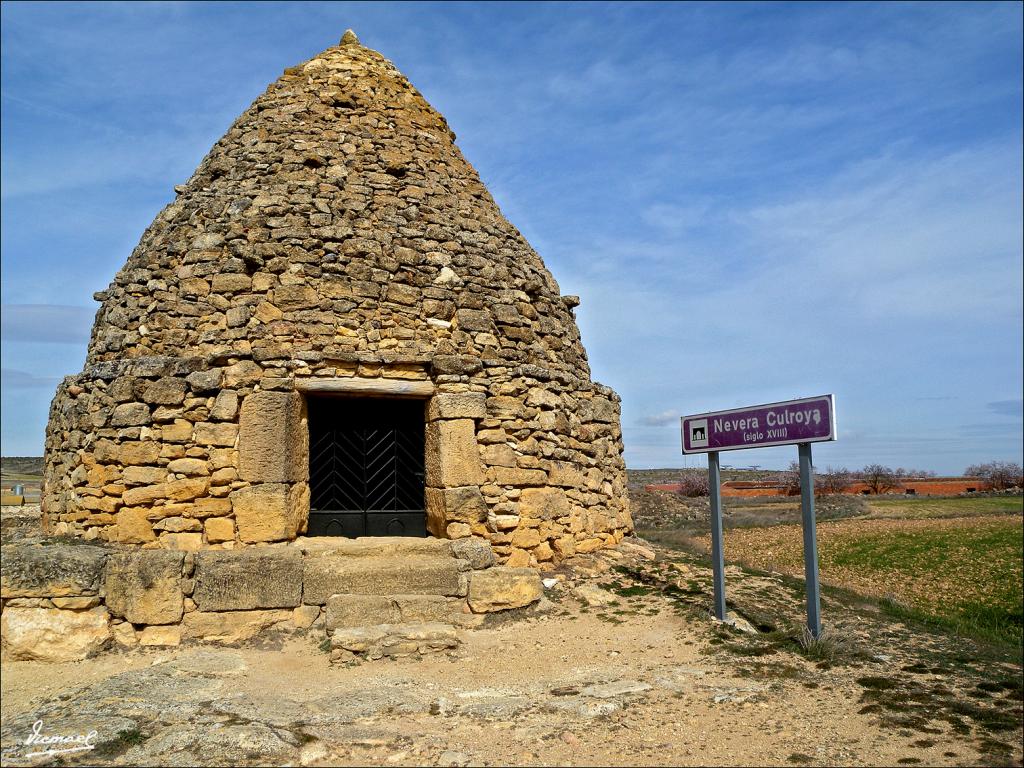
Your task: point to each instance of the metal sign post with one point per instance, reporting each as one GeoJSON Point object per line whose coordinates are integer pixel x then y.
{"type": "Point", "coordinates": [810, 539]}
{"type": "Point", "coordinates": [717, 555]}
{"type": "Point", "coordinates": [792, 422]}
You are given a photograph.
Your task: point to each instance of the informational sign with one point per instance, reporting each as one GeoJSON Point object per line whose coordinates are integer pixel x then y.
{"type": "Point", "coordinates": [792, 422]}
{"type": "Point", "coordinates": [800, 422]}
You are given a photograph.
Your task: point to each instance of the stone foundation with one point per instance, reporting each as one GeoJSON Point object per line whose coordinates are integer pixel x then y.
{"type": "Point", "coordinates": [64, 602]}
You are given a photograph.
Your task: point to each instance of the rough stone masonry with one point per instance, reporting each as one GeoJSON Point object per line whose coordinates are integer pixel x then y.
{"type": "Point", "coordinates": [334, 241]}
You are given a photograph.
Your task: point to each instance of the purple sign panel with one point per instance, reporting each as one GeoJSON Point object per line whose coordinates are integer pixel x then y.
{"type": "Point", "coordinates": [808, 420]}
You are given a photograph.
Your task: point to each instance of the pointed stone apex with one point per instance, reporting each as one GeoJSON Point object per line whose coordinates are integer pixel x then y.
{"type": "Point", "coordinates": [349, 38]}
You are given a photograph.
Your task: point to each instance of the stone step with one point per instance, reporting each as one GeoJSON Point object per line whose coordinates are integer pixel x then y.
{"type": "Point", "coordinates": [338, 573]}
{"type": "Point", "coordinates": [373, 546]}
{"type": "Point", "coordinates": [390, 640]}
{"type": "Point", "coordinates": [345, 611]}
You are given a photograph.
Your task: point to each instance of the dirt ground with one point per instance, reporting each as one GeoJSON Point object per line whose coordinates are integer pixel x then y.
{"type": "Point", "coordinates": [620, 665]}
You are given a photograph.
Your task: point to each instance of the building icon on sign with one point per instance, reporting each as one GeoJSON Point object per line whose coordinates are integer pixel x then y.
{"type": "Point", "coordinates": [698, 433]}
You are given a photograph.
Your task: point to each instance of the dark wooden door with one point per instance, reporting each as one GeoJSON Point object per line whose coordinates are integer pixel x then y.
{"type": "Point", "coordinates": [366, 467]}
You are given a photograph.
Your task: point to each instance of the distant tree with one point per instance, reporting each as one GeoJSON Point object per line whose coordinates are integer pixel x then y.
{"type": "Point", "coordinates": [879, 478]}
{"type": "Point", "coordinates": [693, 483]}
{"type": "Point", "coordinates": [789, 480]}
{"type": "Point", "coordinates": [998, 475]}
{"type": "Point", "coordinates": [833, 480]}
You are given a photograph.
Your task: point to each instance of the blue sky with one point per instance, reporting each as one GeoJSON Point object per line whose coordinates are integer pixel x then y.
{"type": "Point", "coordinates": [754, 201]}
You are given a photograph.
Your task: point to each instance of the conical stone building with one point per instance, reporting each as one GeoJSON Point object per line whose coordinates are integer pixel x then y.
{"type": "Point", "coordinates": [332, 330]}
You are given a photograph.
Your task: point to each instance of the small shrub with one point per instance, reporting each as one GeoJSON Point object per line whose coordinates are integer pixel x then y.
{"type": "Point", "coordinates": [131, 736]}
{"type": "Point", "coordinates": [827, 647]}
{"type": "Point", "coordinates": [693, 484]}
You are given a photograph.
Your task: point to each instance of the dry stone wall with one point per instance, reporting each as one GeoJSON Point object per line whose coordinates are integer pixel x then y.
{"type": "Point", "coordinates": [334, 240]}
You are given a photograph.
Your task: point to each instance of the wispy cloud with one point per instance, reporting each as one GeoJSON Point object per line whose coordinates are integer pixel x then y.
{"type": "Point", "coordinates": [1014, 408]}
{"type": "Point", "coordinates": [14, 379]}
{"type": "Point", "coordinates": [660, 419]}
{"type": "Point", "coordinates": [45, 323]}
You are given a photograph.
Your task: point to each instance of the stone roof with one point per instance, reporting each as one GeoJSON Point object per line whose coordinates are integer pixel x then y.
{"type": "Point", "coordinates": [338, 217]}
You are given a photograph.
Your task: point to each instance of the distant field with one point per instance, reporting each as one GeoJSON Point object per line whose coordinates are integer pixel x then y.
{"type": "Point", "coordinates": [959, 506]}
{"type": "Point", "coordinates": [962, 571]}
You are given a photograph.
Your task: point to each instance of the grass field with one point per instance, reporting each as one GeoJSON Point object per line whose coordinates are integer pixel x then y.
{"type": "Point", "coordinates": [959, 506]}
{"type": "Point", "coordinates": [957, 562]}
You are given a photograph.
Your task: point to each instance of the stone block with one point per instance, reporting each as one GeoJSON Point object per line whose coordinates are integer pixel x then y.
{"type": "Point", "coordinates": [144, 587]}
{"type": "Point", "coordinates": [143, 475]}
{"type": "Point", "coordinates": [567, 475]}
{"type": "Point", "coordinates": [476, 552]}
{"type": "Point", "coordinates": [416, 609]}
{"type": "Point", "coordinates": [231, 282]}
{"type": "Point", "coordinates": [248, 578]}
{"type": "Point", "coordinates": [132, 527]}
{"type": "Point", "coordinates": [604, 410]}
{"type": "Point", "coordinates": [31, 570]}
{"type": "Point", "coordinates": [517, 477]}
{"type": "Point", "coordinates": [204, 381]}
{"type": "Point", "coordinates": [455, 365]}
{"type": "Point", "coordinates": [178, 525]}
{"type": "Point", "coordinates": [214, 434]}
{"type": "Point", "coordinates": [273, 443]}
{"type": "Point", "coordinates": [499, 455]}
{"type": "Point", "coordinates": [124, 634]}
{"type": "Point", "coordinates": [458, 530]}
{"type": "Point", "coordinates": [327, 575]}
{"type": "Point", "coordinates": [270, 512]}
{"type": "Point", "coordinates": [185, 541]}
{"type": "Point", "coordinates": [187, 466]}
{"type": "Point", "coordinates": [130, 415]}
{"type": "Point", "coordinates": [225, 407]}
{"type": "Point", "coordinates": [446, 505]}
{"type": "Point", "coordinates": [458, 405]}
{"type": "Point", "coordinates": [543, 503]}
{"type": "Point", "coordinates": [75, 603]}
{"type": "Point", "coordinates": [166, 636]}
{"type": "Point", "coordinates": [230, 626]}
{"type": "Point", "coordinates": [305, 616]}
{"type": "Point", "coordinates": [371, 610]}
{"type": "Point", "coordinates": [394, 640]}
{"type": "Point", "coordinates": [241, 374]}
{"type": "Point", "coordinates": [502, 587]}
{"type": "Point", "coordinates": [135, 453]}
{"type": "Point", "coordinates": [47, 634]}
{"type": "Point", "coordinates": [180, 431]}
{"type": "Point", "coordinates": [452, 457]}
{"type": "Point", "coordinates": [518, 558]}
{"type": "Point", "coordinates": [293, 297]}
{"type": "Point", "coordinates": [219, 529]}
{"type": "Point", "coordinates": [473, 320]}
{"type": "Point", "coordinates": [525, 538]}
{"type": "Point", "coordinates": [208, 507]}
{"type": "Point", "coordinates": [360, 611]}
{"type": "Point", "coordinates": [165, 391]}
{"type": "Point", "coordinates": [144, 495]}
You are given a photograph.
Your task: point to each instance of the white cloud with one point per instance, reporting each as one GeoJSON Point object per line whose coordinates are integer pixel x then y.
{"type": "Point", "coordinates": [670, 416]}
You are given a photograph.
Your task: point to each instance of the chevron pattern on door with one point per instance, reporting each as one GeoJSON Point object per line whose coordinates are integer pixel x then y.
{"type": "Point", "coordinates": [366, 467]}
